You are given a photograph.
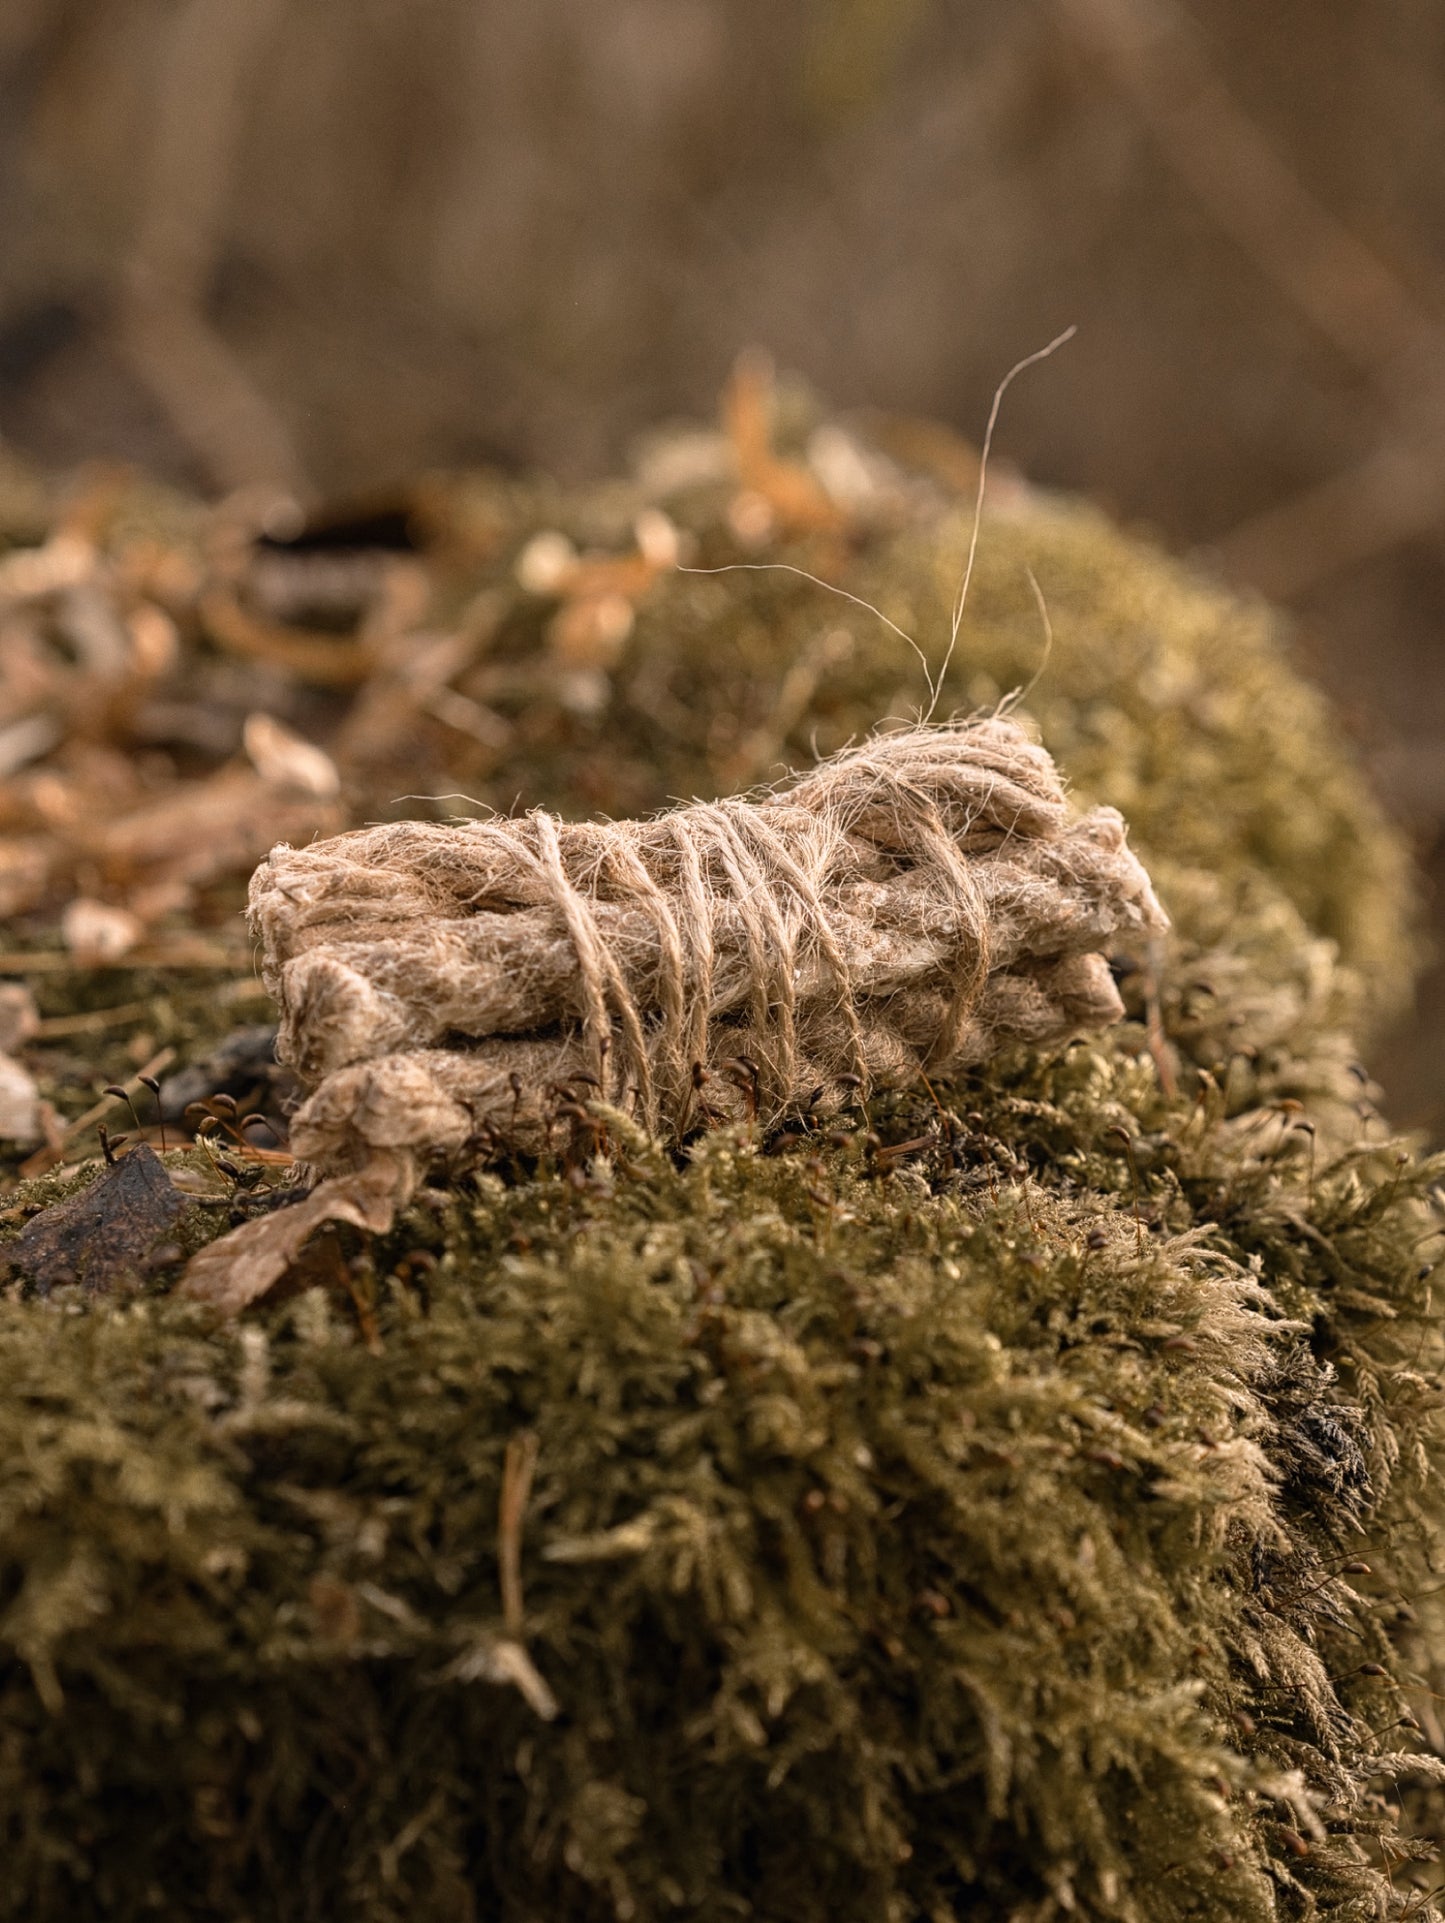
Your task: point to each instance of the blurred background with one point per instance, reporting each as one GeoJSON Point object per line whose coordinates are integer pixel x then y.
{"type": "Point", "coordinates": [333, 242]}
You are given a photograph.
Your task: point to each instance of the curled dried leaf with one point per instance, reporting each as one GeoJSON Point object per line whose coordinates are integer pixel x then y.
{"type": "Point", "coordinates": [102, 1236]}
{"type": "Point", "coordinates": [286, 760]}
{"type": "Point", "coordinates": [251, 1259]}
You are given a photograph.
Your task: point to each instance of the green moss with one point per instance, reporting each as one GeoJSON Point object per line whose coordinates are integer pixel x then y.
{"type": "Point", "coordinates": [907, 1545]}
{"type": "Point", "coordinates": [971, 1537]}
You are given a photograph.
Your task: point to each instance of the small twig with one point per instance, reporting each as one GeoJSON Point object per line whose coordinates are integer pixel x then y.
{"type": "Point", "coordinates": [196, 123]}
{"type": "Point", "coordinates": [1339, 283]}
{"type": "Point", "coordinates": [1393, 495]}
{"type": "Point", "coordinates": [92, 1022]}
{"type": "Point", "coordinates": [1154, 1020]}
{"type": "Point", "coordinates": [517, 1472]}
{"type": "Point", "coordinates": [1128, 1141]}
{"type": "Point", "coordinates": [1158, 61]}
{"type": "Point", "coordinates": [60, 961]}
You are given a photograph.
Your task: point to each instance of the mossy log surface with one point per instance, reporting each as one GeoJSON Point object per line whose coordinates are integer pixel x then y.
{"type": "Point", "coordinates": [1033, 1522]}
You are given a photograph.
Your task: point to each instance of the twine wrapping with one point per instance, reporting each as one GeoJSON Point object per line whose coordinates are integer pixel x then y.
{"type": "Point", "coordinates": [908, 906]}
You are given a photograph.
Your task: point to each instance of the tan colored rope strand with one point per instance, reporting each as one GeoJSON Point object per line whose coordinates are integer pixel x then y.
{"type": "Point", "coordinates": [697, 919]}
{"type": "Point", "coordinates": [819, 929]}
{"type": "Point", "coordinates": [598, 971]}
{"type": "Point", "coordinates": [776, 1041]}
{"type": "Point", "coordinates": [672, 1070]}
{"type": "Point", "coordinates": [913, 904]}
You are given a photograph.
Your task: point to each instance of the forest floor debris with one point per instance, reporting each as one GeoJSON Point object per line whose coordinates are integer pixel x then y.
{"type": "Point", "coordinates": [1030, 1475]}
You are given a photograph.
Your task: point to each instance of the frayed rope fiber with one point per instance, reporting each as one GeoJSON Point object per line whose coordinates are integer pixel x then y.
{"type": "Point", "coordinates": [905, 908]}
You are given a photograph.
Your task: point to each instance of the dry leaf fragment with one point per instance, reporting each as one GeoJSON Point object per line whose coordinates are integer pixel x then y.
{"type": "Point", "coordinates": [775, 494]}
{"type": "Point", "coordinates": [154, 643]}
{"type": "Point", "coordinates": [20, 1119]}
{"type": "Point", "coordinates": [199, 830]}
{"type": "Point", "coordinates": [27, 740]}
{"type": "Point", "coordinates": [930, 447]}
{"type": "Point", "coordinates": [285, 760]}
{"type": "Point", "coordinates": [502, 1659]}
{"type": "Point", "coordinates": [852, 478]}
{"type": "Point", "coordinates": [25, 866]}
{"type": "Point", "coordinates": [599, 595]}
{"type": "Point", "coordinates": [659, 541]}
{"type": "Point", "coordinates": [545, 563]}
{"type": "Point", "coordinates": [64, 561]}
{"type": "Point", "coordinates": [19, 1017]}
{"type": "Point", "coordinates": [325, 660]}
{"type": "Point", "coordinates": [591, 633]}
{"type": "Point", "coordinates": [244, 1264]}
{"type": "Point", "coordinates": [102, 1236]}
{"type": "Point", "coordinates": [98, 931]}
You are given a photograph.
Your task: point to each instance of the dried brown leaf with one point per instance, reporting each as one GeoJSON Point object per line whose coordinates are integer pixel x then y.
{"type": "Point", "coordinates": [243, 1265]}
{"type": "Point", "coordinates": [102, 1236]}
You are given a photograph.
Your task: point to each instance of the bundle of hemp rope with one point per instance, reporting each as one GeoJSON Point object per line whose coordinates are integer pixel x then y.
{"type": "Point", "coordinates": [906, 908]}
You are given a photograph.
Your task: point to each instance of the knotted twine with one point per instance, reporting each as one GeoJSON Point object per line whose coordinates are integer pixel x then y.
{"type": "Point", "coordinates": [906, 908]}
